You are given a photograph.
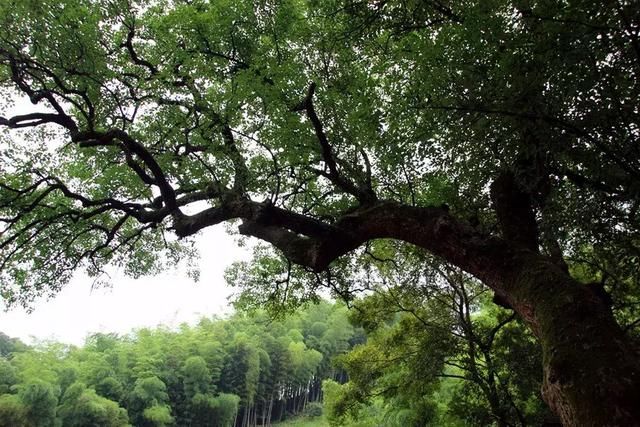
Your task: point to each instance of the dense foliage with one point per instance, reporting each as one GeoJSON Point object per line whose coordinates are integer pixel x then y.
{"type": "Point", "coordinates": [468, 364]}
{"type": "Point", "coordinates": [438, 352]}
{"type": "Point", "coordinates": [246, 370]}
{"type": "Point", "coordinates": [498, 135]}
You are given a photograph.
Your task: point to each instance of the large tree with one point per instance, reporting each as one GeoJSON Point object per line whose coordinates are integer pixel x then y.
{"type": "Point", "coordinates": [500, 136]}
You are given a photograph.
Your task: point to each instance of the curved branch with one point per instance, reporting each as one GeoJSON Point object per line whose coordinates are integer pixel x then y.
{"type": "Point", "coordinates": [128, 44]}
{"type": "Point", "coordinates": [94, 138]}
{"type": "Point", "coordinates": [363, 193]}
{"type": "Point", "coordinates": [37, 119]}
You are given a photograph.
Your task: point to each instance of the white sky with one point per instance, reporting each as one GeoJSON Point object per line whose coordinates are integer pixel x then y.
{"type": "Point", "coordinates": [169, 299]}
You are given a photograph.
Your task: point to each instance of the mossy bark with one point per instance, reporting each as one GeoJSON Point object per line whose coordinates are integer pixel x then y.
{"type": "Point", "coordinates": [591, 369]}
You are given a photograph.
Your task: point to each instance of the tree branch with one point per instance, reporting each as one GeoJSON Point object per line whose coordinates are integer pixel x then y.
{"type": "Point", "coordinates": [37, 119]}
{"type": "Point", "coordinates": [364, 193]}
{"type": "Point", "coordinates": [128, 44]}
{"type": "Point", "coordinates": [94, 138]}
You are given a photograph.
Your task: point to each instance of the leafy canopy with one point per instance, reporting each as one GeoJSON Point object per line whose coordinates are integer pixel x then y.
{"type": "Point", "coordinates": [155, 120]}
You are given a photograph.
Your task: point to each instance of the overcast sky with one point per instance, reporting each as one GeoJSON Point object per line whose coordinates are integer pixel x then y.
{"type": "Point", "coordinates": [168, 299]}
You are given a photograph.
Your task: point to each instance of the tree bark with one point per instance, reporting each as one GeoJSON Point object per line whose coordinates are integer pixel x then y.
{"type": "Point", "coordinates": [591, 372]}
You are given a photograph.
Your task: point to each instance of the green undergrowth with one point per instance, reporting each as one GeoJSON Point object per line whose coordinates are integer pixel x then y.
{"type": "Point", "coordinates": [304, 422]}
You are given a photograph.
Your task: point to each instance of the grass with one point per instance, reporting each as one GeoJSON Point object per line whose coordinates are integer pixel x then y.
{"type": "Point", "coordinates": [303, 422]}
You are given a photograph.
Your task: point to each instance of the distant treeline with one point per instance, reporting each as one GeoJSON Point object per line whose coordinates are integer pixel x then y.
{"type": "Point", "coordinates": [247, 370]}
{"type": "Point", "coordinates": [410, 355]}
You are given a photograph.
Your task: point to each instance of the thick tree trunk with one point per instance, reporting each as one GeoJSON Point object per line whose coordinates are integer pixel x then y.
{"type": "Point", "coordinates": [591, 369]}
